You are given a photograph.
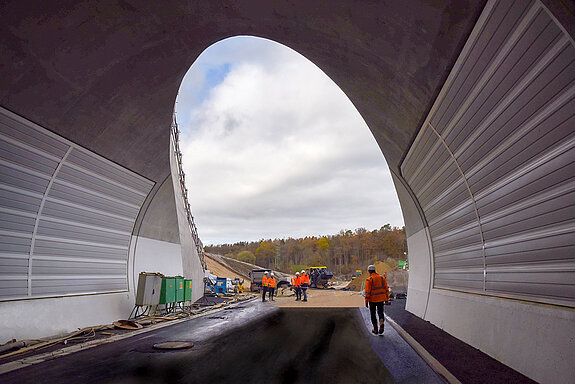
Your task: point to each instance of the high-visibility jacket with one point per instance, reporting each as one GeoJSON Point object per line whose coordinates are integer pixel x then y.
{"type": "Point", "coordinates": [272, 282]}
{"type": "Point", "coordinates": [376, 289]}
{"type": "Point", "coordinates": [265, 281]}
{"type": "Point", "coordinates": [304, 278]}
{"type": "Point", "coordinates": [298, 281]}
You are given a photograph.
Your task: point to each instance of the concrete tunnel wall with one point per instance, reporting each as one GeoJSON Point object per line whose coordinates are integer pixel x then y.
{"type": "Point", "coordinates": [100, 74]}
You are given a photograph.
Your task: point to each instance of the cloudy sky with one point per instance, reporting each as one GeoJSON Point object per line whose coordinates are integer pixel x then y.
{"type": "Point", "coordinates": [272, 148]}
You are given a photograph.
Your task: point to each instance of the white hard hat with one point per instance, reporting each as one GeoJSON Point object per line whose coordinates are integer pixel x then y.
{"type": "Point", "coordinates": [265, 273]}
{"type": "Point", "coordinates": [371, 268]}
{"type": "Point", "coordinates": [272, 273]}
{"type": "Point", "coordinates": [297, 273]}
{"type": "Point", "coordinates": [303, 271]}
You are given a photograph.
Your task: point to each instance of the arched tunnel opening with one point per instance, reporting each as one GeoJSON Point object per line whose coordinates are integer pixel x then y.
{"type": "Point", "coordinates": [471, 102]}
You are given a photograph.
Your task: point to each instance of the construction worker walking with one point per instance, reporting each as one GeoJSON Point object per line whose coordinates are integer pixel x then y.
{"type": "Point", "coordinates": [272, 286]}
{"type": "Point", "coordinates": [376, 293]}
{"type": "Point", "coordinates": [304, 279]}
{"type": "Point", "coordinates": [264, 285]}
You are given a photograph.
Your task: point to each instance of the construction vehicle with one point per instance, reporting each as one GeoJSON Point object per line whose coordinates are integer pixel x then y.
{"type": "Point", "coordinates": [238, 285]}
{"type": "Point", "coordinates": [256, 276]}
{"type": "Point", "coordinates": [357, 273]}
{"type": "Point", "coordinates": [319, 277]}
{"type": "Point", "coordinates": [283, 284]}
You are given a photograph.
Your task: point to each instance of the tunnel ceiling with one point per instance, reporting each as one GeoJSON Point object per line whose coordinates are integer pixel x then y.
{"type": "Point", "coordinates": [105, 74]}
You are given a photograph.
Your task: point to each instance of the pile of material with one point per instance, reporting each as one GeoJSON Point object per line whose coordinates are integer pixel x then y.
{"type": "Point", "coordinates": [358, 283]}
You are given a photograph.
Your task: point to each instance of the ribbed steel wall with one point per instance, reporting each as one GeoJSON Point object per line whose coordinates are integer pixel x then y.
{"type": "Point", "coordinates": [66, 215]}
{"type": "Point", "coordinates": [493, 166]}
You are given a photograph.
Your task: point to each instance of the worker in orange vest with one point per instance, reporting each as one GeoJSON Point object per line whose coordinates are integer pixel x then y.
{"type": "Point", "coordinates": [376, 294]}
{"type": "Point", "coordinates": [264, 285]}
{"type": "Point", "coordinates": [296, 282]}
{"type": "Point", "coordinates": [272, 286]}
{"type": "Point", "coordinates": [304, 279]}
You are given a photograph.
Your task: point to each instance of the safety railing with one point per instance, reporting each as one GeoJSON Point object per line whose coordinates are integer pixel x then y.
{"type": "Point", "coordinates": [175, 132]}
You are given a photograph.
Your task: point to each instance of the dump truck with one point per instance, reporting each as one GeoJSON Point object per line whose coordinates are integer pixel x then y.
{"type": "Point", "coordinates": [319, 277]}
{"type": "Point", "coordinates": [256, 279]}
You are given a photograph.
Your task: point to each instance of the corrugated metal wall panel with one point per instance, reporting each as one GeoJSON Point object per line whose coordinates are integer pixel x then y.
{"type": "Point", "coordinates": [98, 184]}
{"type": "Point", "coordinates": [20, 179]}
{"type": "Point", "coordinates": [61, 286]}
{"type": "Point", "coordinates": [501, 209]}
{"type": "Point", "coordinates": [82, 234]}
{"type": "Point", "coordinates": [75, 268]}
{"type": "Point", "coordinates": [35, 161]}
{"type": "Point", "coordinates": [496, 30]}
{"type": "Point", "coordinates": [16, 223]}
{"type": "Point", "coordinates": [14, 265]}
{"type": "Point", "coordinates": [13, 288]}
{"type": "Point", "coordinates": [98, 165]}
{"type": "Point", "coordinates": [47, 247]}
{"type": "Point", "coordinates": [19, 201]}
{"type": "Point", "coordinates": [18, 131]}
{"type": "Point", "coordinates": [66, 215]}
{"type": "Point", "coordinates": [82, 215]}
{"type": "Point", "coordinates": [85, 197]}
{"type": "Point", "coordinates": [15, 242]}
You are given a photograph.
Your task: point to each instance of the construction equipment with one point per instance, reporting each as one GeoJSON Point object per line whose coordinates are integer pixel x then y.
{"type": "Point", "coordinates": [357, 273]}
{"type": "Point", "coordinates": [283, 284]}
{"type": "Point", "coordinates": [210, 283]}
{"type": "Point", "coordinates": [256, 276]}
{"type": "Point", "coordinates": [319, 277]}
{"type": "Point", "coordinates": [238, 285]}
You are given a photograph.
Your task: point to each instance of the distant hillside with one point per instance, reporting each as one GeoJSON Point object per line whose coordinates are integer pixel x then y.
{"type": "Point", "coordinates": [342, 253]}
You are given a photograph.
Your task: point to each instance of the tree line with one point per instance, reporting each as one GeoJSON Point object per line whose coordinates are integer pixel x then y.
{"type": "Point", "coordinates": [342, 253]}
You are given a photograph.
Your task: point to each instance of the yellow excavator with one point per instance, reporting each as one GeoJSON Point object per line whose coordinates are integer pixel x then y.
{"type": "Point", "coordinates": [238, 285]}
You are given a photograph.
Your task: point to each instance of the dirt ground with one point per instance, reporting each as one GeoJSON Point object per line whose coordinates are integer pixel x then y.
{"type": "Point", "coordinates": [221, 270]}
{"type": "Point", "coordinates": [321, 298]}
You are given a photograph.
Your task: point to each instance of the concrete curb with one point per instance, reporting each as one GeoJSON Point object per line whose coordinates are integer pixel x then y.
{"type": "Point", "coordinates": [31, 360]}
{"type": "Point", "coordinates": [426, 356]}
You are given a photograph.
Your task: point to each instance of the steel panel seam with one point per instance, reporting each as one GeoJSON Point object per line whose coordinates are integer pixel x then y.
{"type": "Point", "coordinates": [37, 223]}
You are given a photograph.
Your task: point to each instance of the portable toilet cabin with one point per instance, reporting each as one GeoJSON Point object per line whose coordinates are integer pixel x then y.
{"type": "Point", "coordinates": [221, 284]}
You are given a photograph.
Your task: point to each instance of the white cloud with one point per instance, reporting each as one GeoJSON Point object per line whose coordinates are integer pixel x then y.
{"type": "Point", "coordinates": [275, 149]}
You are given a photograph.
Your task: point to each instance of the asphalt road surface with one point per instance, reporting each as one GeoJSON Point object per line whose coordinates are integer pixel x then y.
{"type": "Point", "coordinates": [247, 343]}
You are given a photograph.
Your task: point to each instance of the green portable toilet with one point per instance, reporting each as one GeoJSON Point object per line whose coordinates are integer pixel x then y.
{"type": "Point", "coordinates": [168, 292]}
{"type": "Point", "coordinates": [188, 290]}
{"type": "Point", "coordinates": [179, 289]}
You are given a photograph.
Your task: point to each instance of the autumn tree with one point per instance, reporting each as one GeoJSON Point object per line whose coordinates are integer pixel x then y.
{"type": "Point", "coordinates": [265, 253]}
{"type": "Point", "coordinates": [342, 253]}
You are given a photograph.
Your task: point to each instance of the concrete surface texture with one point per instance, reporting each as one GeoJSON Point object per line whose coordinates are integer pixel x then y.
{"type": "Point", "coordinates": [105, 73]}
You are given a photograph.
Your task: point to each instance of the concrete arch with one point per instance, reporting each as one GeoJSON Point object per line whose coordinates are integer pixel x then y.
{"type": "Point", "coordinates": [103, 73]}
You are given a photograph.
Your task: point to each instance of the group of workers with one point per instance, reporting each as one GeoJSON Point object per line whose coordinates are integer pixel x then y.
{"type": "Point", "coordinates": [376, 293]}
{"type": "Point", "coordinates": [268, 285]}
{"type": "Point", "coordinates": [300, 283]}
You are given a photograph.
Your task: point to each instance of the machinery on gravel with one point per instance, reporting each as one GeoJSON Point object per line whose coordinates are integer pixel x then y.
{"type": "Point", "coordinates": [319, 277]}
{"type": "Point", "coordinates": [256, 279]}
